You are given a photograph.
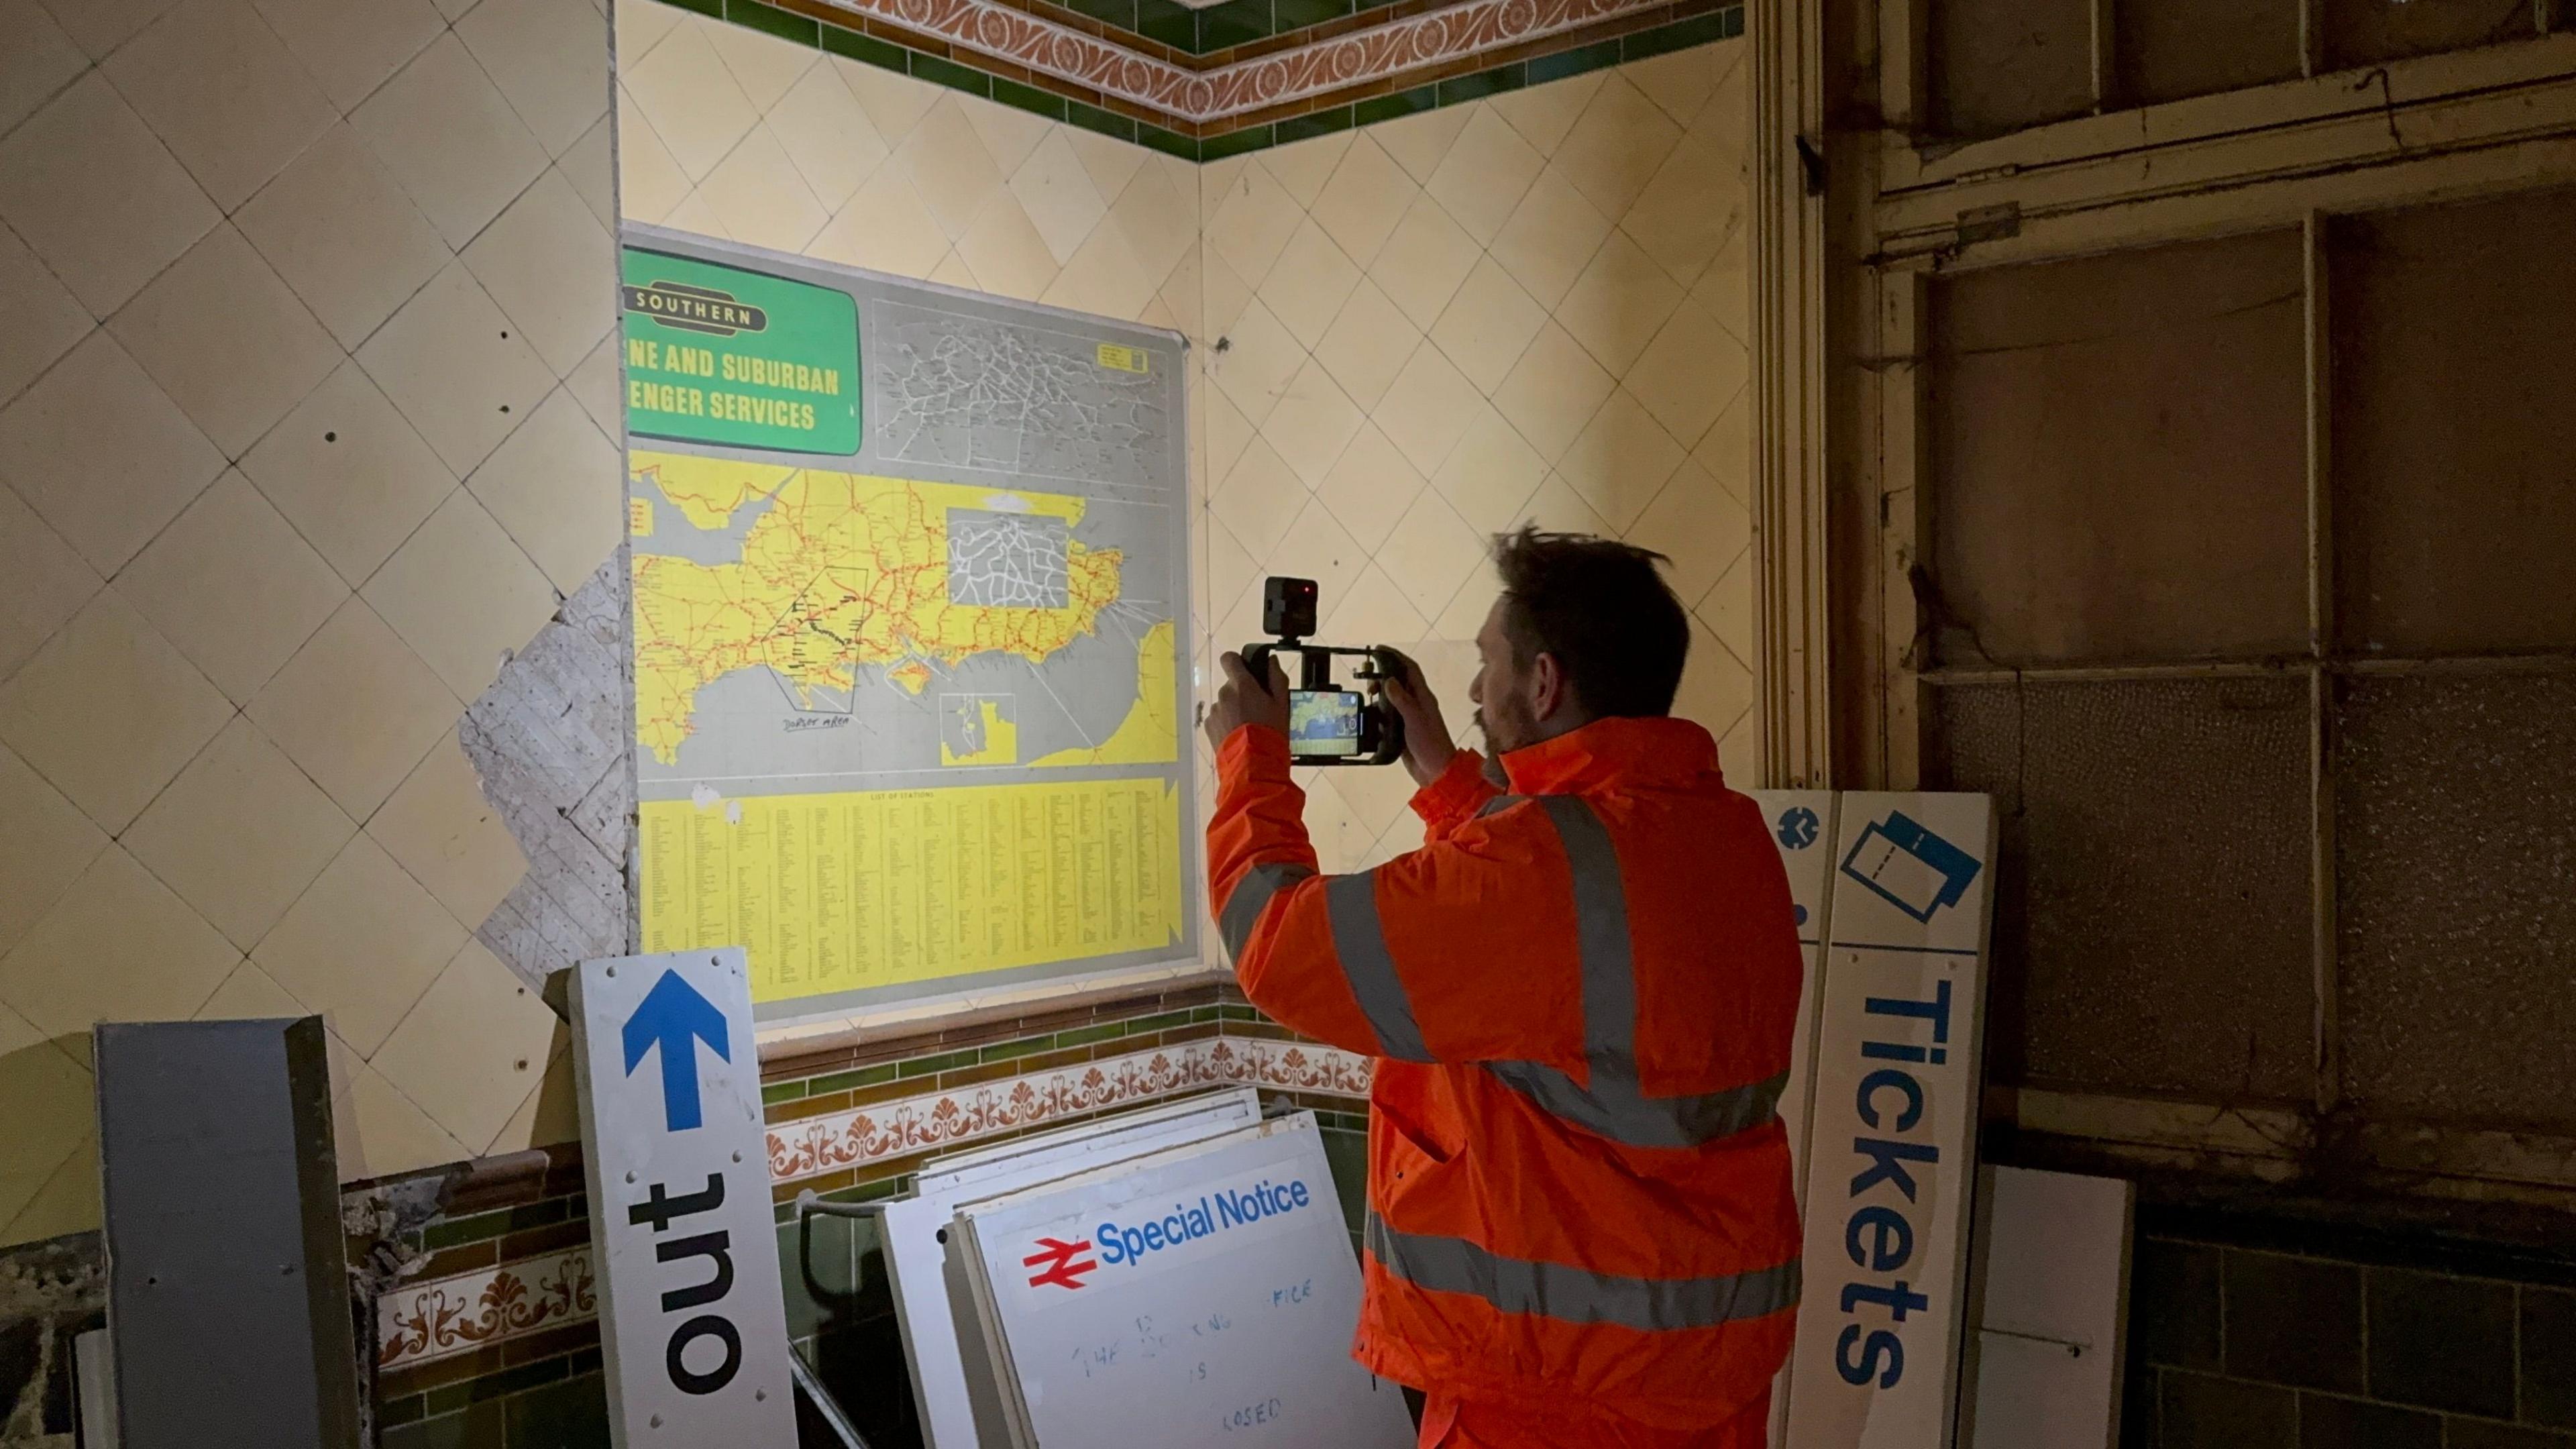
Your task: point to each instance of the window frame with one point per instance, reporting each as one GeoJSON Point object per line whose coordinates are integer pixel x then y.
{"type": "Point", "coordinates": [2295, 153]}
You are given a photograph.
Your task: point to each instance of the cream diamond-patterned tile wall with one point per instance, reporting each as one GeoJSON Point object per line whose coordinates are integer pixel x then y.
{"type": "Point", "coordinates": [283, 278]}
{"type": "Point", "coordinates": [277, 580]}
{"type": "Point", "coordinates": [1406, 338]}
{"type": "Point", "coordinates": [1546, 327]}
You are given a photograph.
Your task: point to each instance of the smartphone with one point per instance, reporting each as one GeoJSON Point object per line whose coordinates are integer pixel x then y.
{"type": "Point", "coordinates": [1324, 723]}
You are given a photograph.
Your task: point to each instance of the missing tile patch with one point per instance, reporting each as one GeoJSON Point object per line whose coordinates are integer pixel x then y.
{"type": "Point", "coordinates": [551, 742]}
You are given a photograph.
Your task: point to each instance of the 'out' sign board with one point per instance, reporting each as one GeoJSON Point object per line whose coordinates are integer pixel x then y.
{"type": "Point", "coordinates": [692, 1324]}
{"type": "Point", "coordinates": [1891, 1127]}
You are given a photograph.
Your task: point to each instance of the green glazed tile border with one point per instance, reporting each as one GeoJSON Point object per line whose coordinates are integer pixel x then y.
{"type": "Point", "coordinates": [1119, 13]}
{"type": "Point", "coordinates": [1025, 1046]}
{"type": "Point", "coordinates": [848, 1081]}
{"type": "Point", "coordinates": [493, 1386]}
{"type": "Point", "coordinates": [885, 55]}
{"type": "Point", "coordinates": [777, 22]}
{"type": "Point", "coordinates": [932, 1066]}
{"type": "Point", "coordinates": [1092, 118]}
{"type": "Point", "coordinates": [1168, 23]}
{"type": "Point", "coordinates": [1319, 123]}
{"type": "Point", "coordinates": [1289, 16]}
{"type": "Point", "coordinates": [950, 74]}
{"type": "Point", "coordinates": [1545, 68]}
{"type": "Point", "coordinates": [1235, 143]}
{"type": "Point", "coordinates": [1030, 98]}
{"type": "Point", "coordinates": [1201, 31]}
{"type": "Point", "coordinates": [1224, 26]}
{"type": "Point", "coordinates": [1086, 1035]}
{"type": "Point", "coordinates": [1169, 143]}
{"type": "Point", "coordinates": [1484, 83]}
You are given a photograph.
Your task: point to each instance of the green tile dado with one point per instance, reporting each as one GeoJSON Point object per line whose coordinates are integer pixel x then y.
{"type": "Point", "coordinates": [1218, 27]}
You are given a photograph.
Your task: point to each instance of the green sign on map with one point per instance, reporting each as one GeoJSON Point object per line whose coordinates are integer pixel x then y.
{"type": "Point", "coordinates": [716, 354]}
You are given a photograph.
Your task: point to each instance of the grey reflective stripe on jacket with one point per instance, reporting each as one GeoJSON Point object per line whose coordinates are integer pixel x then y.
{"type": "Point", "coordinates": [1613, 1104]}
{"type": "Point", "coordinates": [1359, 939]}
{"type": "Point", "coordinates": [1578, 1295]}
{"type": "Point", "coordinates": [1251, 896]}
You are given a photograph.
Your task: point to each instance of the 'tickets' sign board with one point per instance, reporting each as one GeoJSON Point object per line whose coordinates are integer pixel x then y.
{"type": "Point", "coordinates": [692, 1320]}
{"type": "Point", "coordinates": [1891, 1146]}
{"type": "Point", "coordinates": [717, 354]}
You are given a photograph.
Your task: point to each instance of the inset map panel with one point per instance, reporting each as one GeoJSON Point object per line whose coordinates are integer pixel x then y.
{"type": "Point", "coordinates": [969, 392]}
{"type": "Point", "coordinates": [1007, 560]}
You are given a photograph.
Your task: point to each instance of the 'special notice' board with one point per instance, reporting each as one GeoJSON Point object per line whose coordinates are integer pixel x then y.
{"type": "Point", "coordinates": [908, 568]}
{"type": "Point", "coordinates": [1203, 1295]}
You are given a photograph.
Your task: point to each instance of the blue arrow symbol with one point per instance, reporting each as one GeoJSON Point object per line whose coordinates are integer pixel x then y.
{"type": "Point", "coordinates": [677, 1017]}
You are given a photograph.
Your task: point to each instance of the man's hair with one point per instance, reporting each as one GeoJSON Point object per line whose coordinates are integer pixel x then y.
{"type": "Point", "coordinates": [1618, 633]}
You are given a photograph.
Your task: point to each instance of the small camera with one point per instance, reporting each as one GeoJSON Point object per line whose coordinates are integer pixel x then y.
{"type": "Point", "coordinates": [1327, 724]}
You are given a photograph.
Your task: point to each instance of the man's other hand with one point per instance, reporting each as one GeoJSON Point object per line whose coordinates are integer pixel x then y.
{"type": "Point", "coordinates": [1246, 698]}
{"type": "Point", "coordinates": [1427, 745]}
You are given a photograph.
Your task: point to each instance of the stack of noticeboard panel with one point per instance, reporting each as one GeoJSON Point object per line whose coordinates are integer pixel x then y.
{"type": "Point", "coordinates": [1907, 1250]}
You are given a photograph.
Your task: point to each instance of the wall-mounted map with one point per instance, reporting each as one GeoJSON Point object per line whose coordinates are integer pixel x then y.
{"type": "Point", "coordinates": [908, 696]}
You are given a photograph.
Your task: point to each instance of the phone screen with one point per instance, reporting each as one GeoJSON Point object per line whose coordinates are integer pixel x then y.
{"type": "Point", "coordinates": [1323, 722]}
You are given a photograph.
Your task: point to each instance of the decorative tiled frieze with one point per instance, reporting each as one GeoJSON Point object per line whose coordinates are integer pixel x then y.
{"type": "Point", "coordinates": [813, 1146]}
{"type": "Point", "coordinates": [419, 1322]}
{"type": "Point", "coordinates": [1383, 52]}
{"type": "Point", "coordinates": [422, 1322]}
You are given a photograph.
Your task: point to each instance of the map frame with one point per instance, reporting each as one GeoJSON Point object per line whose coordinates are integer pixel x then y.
{"type": "Point", "coordinates": [1160, 353]}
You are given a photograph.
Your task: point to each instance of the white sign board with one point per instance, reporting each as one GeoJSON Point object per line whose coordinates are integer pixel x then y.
{"type": "Point", "coordinates": [946, 1349]}
{"type": "Point", "coordinates": [1891, 1184]}
{"type": "Point", "coordinates": [692, 1320]}
{"type": "Point", "coordinates": [1200, 1296]}
{"type": "Point", "coordinates": [2055, 1247]}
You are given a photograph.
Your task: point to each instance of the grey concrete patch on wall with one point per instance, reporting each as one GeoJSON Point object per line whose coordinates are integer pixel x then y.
{"type": "Point", "coordinates": [50, 1292]}
{"type": "Point", "coordinates": [553, 743]}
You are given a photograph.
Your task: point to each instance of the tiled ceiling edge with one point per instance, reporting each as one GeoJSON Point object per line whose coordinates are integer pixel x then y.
{"type": "Point", "coordinates": [1635, 35]}
{"type": "Point", "coordinates": [1053, 62]}
{"type": "Point", "coordinates": [1382, 52]}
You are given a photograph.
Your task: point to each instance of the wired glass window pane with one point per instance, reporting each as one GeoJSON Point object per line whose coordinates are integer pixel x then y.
{"type": "Point", "coordinates": [2152, 911]}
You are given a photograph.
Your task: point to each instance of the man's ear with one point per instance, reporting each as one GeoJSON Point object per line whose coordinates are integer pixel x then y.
{"type": "Point", "coordinates": [1549, 691]}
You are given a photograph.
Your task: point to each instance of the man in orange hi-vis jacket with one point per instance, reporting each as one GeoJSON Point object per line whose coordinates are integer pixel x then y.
{"type": "Point", "coordinates": [1580, 993]}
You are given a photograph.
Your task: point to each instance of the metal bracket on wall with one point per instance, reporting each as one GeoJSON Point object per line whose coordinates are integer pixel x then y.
{"type": "Point", "coordinates": [1811, 162]}
{"type": "Point", "coordinates": [1989, 223]}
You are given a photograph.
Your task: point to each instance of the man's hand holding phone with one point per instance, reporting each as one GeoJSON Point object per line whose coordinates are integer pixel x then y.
{"type": "Point", "coordinates": [1246, 698]}
{"type": "Point", "coordinates": [1427, 745]}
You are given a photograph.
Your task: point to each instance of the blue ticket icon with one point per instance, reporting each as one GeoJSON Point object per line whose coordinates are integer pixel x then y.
{"type": "Point", "coordinates": [1909, 867]}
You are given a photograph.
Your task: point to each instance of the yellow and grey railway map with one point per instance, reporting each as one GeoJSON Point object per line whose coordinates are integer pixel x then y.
{"type": "Point", "coordinates": [907, 574]}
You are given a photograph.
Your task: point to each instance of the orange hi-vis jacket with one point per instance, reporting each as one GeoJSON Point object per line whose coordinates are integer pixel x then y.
{"type": "Point", "coordinates": [1581, 995]}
